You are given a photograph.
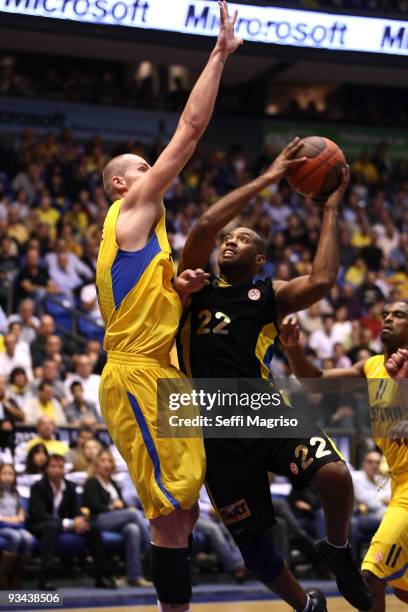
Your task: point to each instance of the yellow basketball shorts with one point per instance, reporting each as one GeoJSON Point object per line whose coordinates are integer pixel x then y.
{"type": "Point", "coordinates": [167, 472]}
{"type": "Point", "coordinates": [387, 557]}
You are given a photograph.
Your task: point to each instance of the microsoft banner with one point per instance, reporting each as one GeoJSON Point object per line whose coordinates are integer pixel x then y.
{"type": "Point", "coordinates": [312, 29]}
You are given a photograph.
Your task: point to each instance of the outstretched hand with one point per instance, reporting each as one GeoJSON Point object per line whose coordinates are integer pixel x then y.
{"type": "Point", "coordinates": [286, 160]}
{"type": "Point", "coordinates": [191, 281]}
{"type": "Point", "coordinates": [397, 364]}
{"type": "Point", "coordinates": [289, 332]}
{"type": "Point", "coordinates": [227, 42]}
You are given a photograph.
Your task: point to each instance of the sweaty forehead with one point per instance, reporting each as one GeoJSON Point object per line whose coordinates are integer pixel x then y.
{"type": "Point", "coordinates": [242, 231]}
{"type": "Point", "coordinates": [397, 307]}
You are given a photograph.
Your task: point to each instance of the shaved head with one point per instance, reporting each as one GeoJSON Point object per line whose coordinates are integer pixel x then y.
{"type": "Point", "coordinates": [120, 172]}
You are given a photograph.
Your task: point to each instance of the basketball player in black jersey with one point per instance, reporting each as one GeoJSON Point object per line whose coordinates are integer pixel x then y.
{"type": "Point", "coordinates": [229, 332]}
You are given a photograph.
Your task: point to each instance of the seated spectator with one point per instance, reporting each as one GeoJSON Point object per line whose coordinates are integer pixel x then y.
{"type": "Point", "coordinates": [33, 281]}
{"type": "Point", "coordinates": [12, 358]}
{"type": "Point", "coordinates": [53, 352]}
{"type": "Point", "coordinates": [90, 382]}
{"type": "Point", "coordinates": [44, 404]}
{"type": "Point", "coordinates": [371, 493]}
{"type": "Point", "coordinates": [9, 409]}
{"type": "Point", "coordinates": [76, 456]}
{"type": "Point", "coordinates": [79, 408]}
{"type": "Point", "coordinates": [18, 540]}
{"type": "Point", "coordinates": [91, 450]}
{"type": "Point", "coordinates": [307, 507]}
{"type": "Point", "coordinates": [322, 340]}
{"type": "Point", "coordinates": [37, 347]}
{"type": "Point", "coordinates": [36, 459]}
{"type": "Point", "coordinates": [19, 387]}
{"type": "Point", "coordinates": [103, 498]}
{"type": "Point", "coordinates": [45, 435]}
{"type": "Point", "coordinates": [22, 347]}
{"type": "Point", "coordinates": [89, 302]}
{"type": "Point", "coordinates": [54, 510]}
{"type": "Point", "coordinates": [65, 277]}
{"type": "Point", "coordinates": [50, 374]}
{"type": "Point", "coordinates": [97, 355]}
{"type": "Point", "coordinates": [30, 323]}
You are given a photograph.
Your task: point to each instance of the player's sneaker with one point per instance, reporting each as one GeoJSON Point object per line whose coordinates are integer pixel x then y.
{"type": "Point", "coordinates": [349, 578]}
{"type": "Point", "coordinates": [317, 601]}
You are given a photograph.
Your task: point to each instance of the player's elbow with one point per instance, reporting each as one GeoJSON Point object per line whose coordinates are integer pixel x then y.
{"type": "Point", "coordinates": [322, 285]}
{"type": "Point", "coordinates": [204, 227]}
{"type": "Point", "coordinates": [192, 128]}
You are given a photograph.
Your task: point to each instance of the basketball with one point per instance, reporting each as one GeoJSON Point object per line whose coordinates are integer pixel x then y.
{"type": "Point", "coordinates": [321, 174]}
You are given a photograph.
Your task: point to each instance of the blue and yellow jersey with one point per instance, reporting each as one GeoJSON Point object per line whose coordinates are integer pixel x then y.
{"type": "Point", "coordinates": [388, 409]}
{"type": "Point", "coordinates": [138, 303]}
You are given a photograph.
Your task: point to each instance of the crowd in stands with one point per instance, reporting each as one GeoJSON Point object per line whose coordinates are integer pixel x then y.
{"type": "Point", "coordinates": [52, 207]}
{"type": "Point", "coordinates": [102, 83]}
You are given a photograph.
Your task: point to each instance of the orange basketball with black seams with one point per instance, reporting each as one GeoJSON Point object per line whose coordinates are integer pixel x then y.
{"type": "Point", "coordinates": [321, 174]}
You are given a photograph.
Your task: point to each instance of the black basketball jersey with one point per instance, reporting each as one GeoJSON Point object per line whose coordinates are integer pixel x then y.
{"type": "Point", "coordinates": [229, 331]}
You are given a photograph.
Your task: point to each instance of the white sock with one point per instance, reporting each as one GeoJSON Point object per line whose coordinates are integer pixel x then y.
{"type": "Point", "coordinates": [336, 546]}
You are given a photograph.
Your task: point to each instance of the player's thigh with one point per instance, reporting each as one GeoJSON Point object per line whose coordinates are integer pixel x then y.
{"type": "Point", "coordinates": [299, 459]}
{"type": "Point", "coordinates": [387, 556]}
{"type": "Point", "coordinates": [168, 472]}
{"type": "Point", "coordinates": [241, 497]}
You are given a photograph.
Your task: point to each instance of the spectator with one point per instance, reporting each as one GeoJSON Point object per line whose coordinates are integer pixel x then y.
{"type": "Point", "coordinates": [50, 374]}
{"type": "Point", "coordinates": [18, 540]}
{"type": "Point", "coordinates": [46, 328]}
{"type": "Point", "coordinates": [12, 357]}
{"type": "Point", "coordinates": [53, 352]}
{"type": "Point", "coordinates": [19, 387]}
{"type": "Point", "coordinates": [79, 408]}
{"type": "Point", "coordinates": [44, 404]}
{"type": "Point", "coordinates": [45, 435]}
{"type": "Point", "coordinates": [65, 277]}
{"type": "Point", "coordinates": [29, 322]}
{"type": "Point", "coordinates": [104, 499]}
{"type": "Point", "coordinates": [33, 281]}
{"type": "Point", "coordinates": [89, 302]}
{"type": "Point", "coordinates": [322, 340]}
{"type": "Point", "coordinates": [89, 381]}
{"type": "Point", "coordinates": [36, 460]}
{"type": "Point", "coordinates": [369, 293]}
{"type": "Point", "coordinates": [307, 507]}
{"type": "Point", "coordinates": [76, 456]}
{"type": "Point", "coordinates": [28, 181]}
{"type": "Point", "coordinates": [371, 493]}
{"type": "Point", "coordinates": [9, 410]}
{"type": "Point", "coordinates": [53, 510]}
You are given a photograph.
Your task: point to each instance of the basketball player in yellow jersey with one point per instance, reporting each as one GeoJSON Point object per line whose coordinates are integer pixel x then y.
{"type": "Point", "coordinates": [141, 310]}
{"type": "Point", "coordinates": [386, 561]}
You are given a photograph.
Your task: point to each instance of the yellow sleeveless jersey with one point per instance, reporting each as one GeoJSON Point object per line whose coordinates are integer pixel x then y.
{"type": "Point", "coordinates": [387, 411]}
{"type": "Point", "coordinates": [136, 297]}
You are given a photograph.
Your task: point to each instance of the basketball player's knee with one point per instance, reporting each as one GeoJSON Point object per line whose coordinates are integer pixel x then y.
{"type": "Point", "coordinates": [333, 479]}
{"type": "Point", "coordinates": [171, 574]}
{"type": "Point", "coordinates": [402, 595]}
{"type": "Point", "coordinates": [261, 557]}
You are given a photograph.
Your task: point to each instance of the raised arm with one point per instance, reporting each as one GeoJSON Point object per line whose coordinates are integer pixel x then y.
{"type": "Point", "coordinates": [193, 121]}
{"type": "Point", "coordinates": [299, 363]}
{"type": "Point", "coordinates": [302, 292]}
{"type": "Point", "coordinates": [200, 241]}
